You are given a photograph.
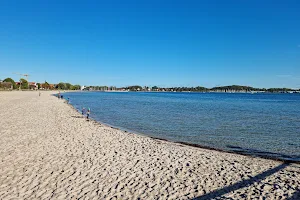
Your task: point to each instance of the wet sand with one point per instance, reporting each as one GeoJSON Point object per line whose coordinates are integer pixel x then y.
{"type": "Point", "coordinates": [48, 150]}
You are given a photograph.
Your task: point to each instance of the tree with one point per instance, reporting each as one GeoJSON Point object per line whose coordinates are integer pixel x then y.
{"type": "Point", "coordinates": [61, 86]}
{"type": "Point", "coordinates": [135, 88]}
{"type": "Point", "coordinates": [201, 89]}
{"type": "Point", "coordinates": [39, 85]}
{"type": "Point", "coordinates": [10, 80]}
{"type": "Point", "coordinates": [75, 87]}
{"type": "Point", "coordinates": [24, 83]}
{"type": "Point", "coordinates": [68, 86]}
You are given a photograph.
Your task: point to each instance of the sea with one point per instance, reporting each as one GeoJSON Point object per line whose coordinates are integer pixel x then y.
{"type": "Point", "coordinates": [260, 124]}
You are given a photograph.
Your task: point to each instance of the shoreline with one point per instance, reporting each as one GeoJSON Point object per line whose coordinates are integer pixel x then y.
{"type": "Point", "coordinates": [190, 144]}
{"type": "Point", "coordinates": [48, 150]}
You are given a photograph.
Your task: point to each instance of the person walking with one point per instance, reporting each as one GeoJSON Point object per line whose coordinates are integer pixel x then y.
{"type": "Point", "coordinates": [83, 111]}
{"type": "Point", "coordinates": [88, 113]}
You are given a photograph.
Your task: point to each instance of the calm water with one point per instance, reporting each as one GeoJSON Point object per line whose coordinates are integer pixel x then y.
{"type": "Point", "coordinates": [258, 124]}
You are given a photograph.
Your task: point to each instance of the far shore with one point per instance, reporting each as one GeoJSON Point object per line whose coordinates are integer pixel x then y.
{"type": "Point", "coordinates": [226, 92]}
{"type": "Point", "coordinates": [49, 150]}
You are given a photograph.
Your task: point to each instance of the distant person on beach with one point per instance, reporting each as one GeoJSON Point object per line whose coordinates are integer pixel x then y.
{"type": "Point", "coordinates": [88, 113]}
{"type": "Point", "coordinates": [61, 96]}
{"type": "Point", "coordinates": [83, 111]}
{"type": "Point", "coordinates": [39, 93]}
{"type": "Point", "coordinates": [68, 100]}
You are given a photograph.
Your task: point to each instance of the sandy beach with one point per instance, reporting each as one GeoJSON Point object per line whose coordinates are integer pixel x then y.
{"type": "Point", "coordinates": [48, 151]}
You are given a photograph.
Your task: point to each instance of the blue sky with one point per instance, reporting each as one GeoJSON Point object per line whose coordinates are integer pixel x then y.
{"type": "Point", "coordinates": [164, 43]}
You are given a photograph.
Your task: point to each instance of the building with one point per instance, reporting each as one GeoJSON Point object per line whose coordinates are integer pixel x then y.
{"type": "Point", "coordinates": [32, 85]}
{"type": "Point", "coordinates": [6, 85]}
{"type": "Point", "coordinates": [52, 86]}
{"type": "Point", "coordinates": [47, 86]}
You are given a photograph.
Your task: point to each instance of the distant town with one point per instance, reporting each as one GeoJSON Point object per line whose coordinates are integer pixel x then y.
{"type": "Point", "coordinates": [23, 84]}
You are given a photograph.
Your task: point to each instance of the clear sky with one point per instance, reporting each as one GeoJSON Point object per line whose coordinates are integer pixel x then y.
{"type": "Point", "coordinates": [155, 42]}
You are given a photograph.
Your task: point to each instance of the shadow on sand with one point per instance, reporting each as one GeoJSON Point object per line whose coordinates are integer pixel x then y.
{"type": "Point", "coordinates": [242, 184]}
{"type": "Point", "coordinates": [78, 116]}
{"type": "Point", "coordinates": [296, 195]}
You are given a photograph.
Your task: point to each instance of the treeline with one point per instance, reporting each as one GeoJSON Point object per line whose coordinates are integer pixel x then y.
{"type": "Point", "coordinates": [9, 83]}
{"type": "Point", "coordinates": [133, 88]}
{"type": "Point", "coordinates": [231, 88]}
{"type": "Point", "coordinates": [236, 88]}
{"type": "Point", "coordinates": [240, 88]}
{"type": "Point", "coordinates": [250, 89]}
{"type": "Point", "coordinates": [100, 88]}
{"type": "Point", "coordinates": [67, 86]}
